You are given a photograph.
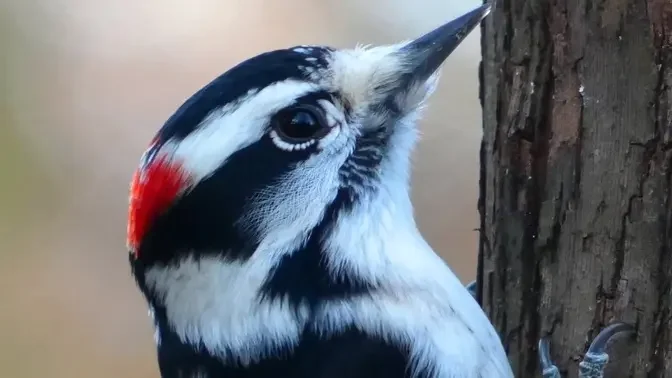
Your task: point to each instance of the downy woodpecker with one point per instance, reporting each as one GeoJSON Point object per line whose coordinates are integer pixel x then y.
{"type": "Point", "coordinates": [271, 229]}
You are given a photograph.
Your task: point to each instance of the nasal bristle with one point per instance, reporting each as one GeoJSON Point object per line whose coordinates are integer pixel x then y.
{"type": "Point", "coordinates": [153, 188]}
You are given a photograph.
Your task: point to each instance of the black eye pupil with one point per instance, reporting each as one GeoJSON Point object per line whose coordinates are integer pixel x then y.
{"type": "Point", "coordinates": [300, 124]}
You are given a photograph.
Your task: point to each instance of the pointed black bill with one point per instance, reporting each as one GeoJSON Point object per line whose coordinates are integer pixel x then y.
{"type": "Point", "coordinates": [427, 53]}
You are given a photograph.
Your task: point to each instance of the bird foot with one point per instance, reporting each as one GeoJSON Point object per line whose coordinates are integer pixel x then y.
{"type": "Point", "coordinates": [595, 359]}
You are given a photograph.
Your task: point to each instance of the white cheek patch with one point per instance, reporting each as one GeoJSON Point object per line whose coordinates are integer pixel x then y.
{"type": "Point", "coordinates": [216, 303]}
{"type": "Point", "coordinates": [235, 126]}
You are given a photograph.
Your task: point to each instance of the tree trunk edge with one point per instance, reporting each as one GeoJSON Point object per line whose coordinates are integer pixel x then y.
{"type": "Point", "coordinates": [525, 237]}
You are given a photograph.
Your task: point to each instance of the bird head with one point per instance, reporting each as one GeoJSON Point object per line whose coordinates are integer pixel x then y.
{"type": "Point", "coordinates": [282, 147]}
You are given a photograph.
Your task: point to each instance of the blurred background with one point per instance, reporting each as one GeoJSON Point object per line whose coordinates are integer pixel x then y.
{"type": "Point", "coordinates": [84, 86]}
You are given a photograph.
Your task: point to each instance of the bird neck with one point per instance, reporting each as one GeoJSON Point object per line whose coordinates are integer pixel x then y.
{"type": "Point", "coordinates": [378, 242]}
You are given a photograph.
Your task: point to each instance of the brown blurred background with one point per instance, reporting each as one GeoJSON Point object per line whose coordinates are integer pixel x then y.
{"type": "Point", "coordinates": [85, 84]}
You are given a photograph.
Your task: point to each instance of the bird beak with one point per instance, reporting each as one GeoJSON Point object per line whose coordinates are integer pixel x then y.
{"type": "Point", "coordinates": [426, 54]}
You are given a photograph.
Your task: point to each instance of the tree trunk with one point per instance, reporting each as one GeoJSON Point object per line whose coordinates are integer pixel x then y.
{"type": "Point", "coordinates": [576, 180]}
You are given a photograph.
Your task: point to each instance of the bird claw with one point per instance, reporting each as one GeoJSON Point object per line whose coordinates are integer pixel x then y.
{"type": "Point", "coordinates": [548, 369]}
{"type": "Point", "coordinates": [596, 357]}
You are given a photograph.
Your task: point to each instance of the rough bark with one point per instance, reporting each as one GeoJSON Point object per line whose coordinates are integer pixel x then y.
{"type": "Point", "coordinates": [576, 180]}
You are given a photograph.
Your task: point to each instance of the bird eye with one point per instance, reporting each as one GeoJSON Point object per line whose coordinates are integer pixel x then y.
{"type": "Point", "coordinates": [300, 124]}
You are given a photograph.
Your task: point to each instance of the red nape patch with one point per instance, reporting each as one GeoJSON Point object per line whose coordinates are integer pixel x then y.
{"type": "Point", "coordinates": [153, 188]}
